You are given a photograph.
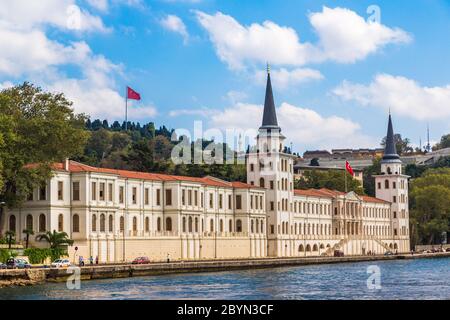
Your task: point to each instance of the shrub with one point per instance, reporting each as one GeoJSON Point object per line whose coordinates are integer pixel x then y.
{"type": "Point", "coordinates": [5, 254]}
{"type": "Point", "coordinates": [39, 255]}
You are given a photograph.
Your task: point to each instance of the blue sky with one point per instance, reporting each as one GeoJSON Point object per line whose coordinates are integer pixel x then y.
{"type": "Point", "coordinates": [336, 68]}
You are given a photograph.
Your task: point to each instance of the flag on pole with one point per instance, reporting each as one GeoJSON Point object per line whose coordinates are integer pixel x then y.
{"type": "Point", "coordinates": [133, 95]}
{"type": "Point", "coordinates": [349, 168]}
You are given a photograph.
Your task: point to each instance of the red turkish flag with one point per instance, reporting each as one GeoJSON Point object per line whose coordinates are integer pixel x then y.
{"type": "Point", "coordinates": [133, 95]}
{"type": "Point", "coordinates": [349, 168]}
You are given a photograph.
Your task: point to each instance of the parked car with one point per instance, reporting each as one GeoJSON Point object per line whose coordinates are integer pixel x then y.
{"type": "Point", "coordinates": [388, 253]}
{"type": "Point", "coordinates": [141, 260]}
{"type": "Point", "coordinates": [13, 263]}
{"type": "Point", "coordinates": [2, 266]}
{"type": "Point", "coordinates": [60, 263]}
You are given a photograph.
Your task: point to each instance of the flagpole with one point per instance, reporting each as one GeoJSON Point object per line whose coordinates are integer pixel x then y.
{"type": "Point", "coordinates": [126, 108]}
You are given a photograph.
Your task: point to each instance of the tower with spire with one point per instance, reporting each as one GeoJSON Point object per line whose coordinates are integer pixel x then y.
{"type": "Point", "coordinates": [270, 168]}
{"type": "Point", "coordinates": [392, 186]}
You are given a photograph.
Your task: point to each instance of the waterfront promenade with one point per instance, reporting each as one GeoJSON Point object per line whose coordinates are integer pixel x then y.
{"type": "Point", "coordinates": [92, 272]}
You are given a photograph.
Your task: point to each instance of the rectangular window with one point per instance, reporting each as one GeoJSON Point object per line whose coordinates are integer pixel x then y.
{"type": "Point", "coordinates": [102, 191]}
{"type": "Point", "coordinates": [394, 199]}
{"type": "Point", "coordinates": [195, 198]}
{"type": "Point", "coordinates": [211, 201]}
{"type": "Point", "coordinates": [201, 199]}
{"type": "Point", "coordinates": [251, 202]}
{"type": "Point", "coordinates": [60, 190]}
{"type": "Point", "coordinates": [252, 167]}
{"type": "Point", "coordinates": [110, 192]}
{"type": "Point", "coordinates": [43, 193]}
{"type": "Point", "coordinates": [158, 197]}
{"type": "Point", "coordinates": [394, 185]}
{"type": "Point", "coordinates": [189, 197]}
{"type": "Point", "coordinates": [94, 191]}
{"type": "Point", "coordinates": [261, 202]}
{"type": "Point", "coordinates": [230, 199]}
{"type": "Point", "coordinates": [272, 206]}
{"type": "Point", "coordinates": [183, 197]}
{"type": "Point", "coordinates": [76, 191]}
{"type": "Point", "coordinates": [220, 201]}
{"type": "Point", "coordinates": [134, 195]}
{"type": "Point", "coordinates": [272, 229]}
{"type": "Point", "coordinates": [238, 202]}
{"type": "Point", "coordinates": [146, 196]}
{"type": "Point", "coordinates": [271, 184]}
{"type": "Point", "coordinates": [121, 194]}
{"type": "Point", "coordinates": [168, 197]}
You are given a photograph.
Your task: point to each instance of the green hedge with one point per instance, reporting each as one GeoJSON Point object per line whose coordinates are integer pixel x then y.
{"type": "Point", "coordinates": [5, 254]}
{"type": "Point", "coordinates": [38, 256]}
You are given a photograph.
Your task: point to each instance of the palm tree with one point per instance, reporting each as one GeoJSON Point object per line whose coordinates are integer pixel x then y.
{"type": "Point", "coordinates": [10, 236]}
{"type": "Point", "coordinates": [28, 233]}
{"type": "Point", "coordinates": [55, 239]}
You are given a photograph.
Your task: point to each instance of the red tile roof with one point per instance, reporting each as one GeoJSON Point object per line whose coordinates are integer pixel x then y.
{"type": "Point", "coordinates": [208, 180]}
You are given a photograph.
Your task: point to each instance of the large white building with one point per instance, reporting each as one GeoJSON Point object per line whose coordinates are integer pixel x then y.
{"type": "Point", "coordinates": [117, 215]}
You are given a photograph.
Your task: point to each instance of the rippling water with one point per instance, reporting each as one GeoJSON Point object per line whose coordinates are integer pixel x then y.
{"type": "Point", "coordinates": [401, 279]}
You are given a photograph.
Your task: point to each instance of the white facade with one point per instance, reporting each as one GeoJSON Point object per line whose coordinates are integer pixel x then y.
{"type": "Point", "coordinates": [118, 215]}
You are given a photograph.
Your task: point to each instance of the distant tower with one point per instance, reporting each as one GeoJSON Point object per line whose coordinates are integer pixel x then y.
{"type": "Point", "coordinates": [428, 147]}
{"type": "Point", "coordinates": [270, 168]}
{"type": "Point", "coordinates": [392, 186]}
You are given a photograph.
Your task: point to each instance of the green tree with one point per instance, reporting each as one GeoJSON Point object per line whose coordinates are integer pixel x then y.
{"type": "Point", "coordinates": [368, 177]}
{"type": "Point", "coordinates": [10, 235]}
{"type": "Point", "coordinates": [430, 206]}
{"type": "Point", "coordinates": [444, 143]}
{"type": "Point", "coordinates": [402, 144]}
{"type": "Point", "coordinates": [28, 233]}
{"type": "Point", "coordinates": [332, 179]}
{"type": "Point", "coordinates": [35, 127]}
{"type": "Point", "coordinates": [55, 239]}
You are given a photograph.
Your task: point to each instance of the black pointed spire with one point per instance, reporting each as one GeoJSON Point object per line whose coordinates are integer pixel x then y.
{"type": "Point", "coordinates": [269, 116]}
{"type": "Point", "coordinates": [390, 150]}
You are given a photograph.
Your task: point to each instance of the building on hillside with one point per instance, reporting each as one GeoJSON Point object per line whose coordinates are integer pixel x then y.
{"type": "Point", "coordinates": [117, 215]}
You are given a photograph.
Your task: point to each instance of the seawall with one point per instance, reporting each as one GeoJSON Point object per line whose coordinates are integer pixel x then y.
{"type": "Point", "coordinates": [42, 275]}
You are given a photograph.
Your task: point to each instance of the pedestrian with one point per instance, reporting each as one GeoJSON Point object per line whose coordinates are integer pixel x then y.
{"type": "Point", "coordinates": [96, 260]}
{"type": "Point", "coordinates": [81, 261]}
{"type": "Point", "coordinates": [168, 258]}
{"type": "Point", "coordinates": [91, 260]}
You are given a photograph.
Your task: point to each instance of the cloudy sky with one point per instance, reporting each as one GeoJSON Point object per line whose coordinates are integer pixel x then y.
{"type": "Point", "coordinates": [337, 66]}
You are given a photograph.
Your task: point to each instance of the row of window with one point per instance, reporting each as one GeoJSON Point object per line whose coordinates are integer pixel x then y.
{"type": "Point", "coordinates": [303, 229]}
{"type": "Point", "coordinates": [394, 184]}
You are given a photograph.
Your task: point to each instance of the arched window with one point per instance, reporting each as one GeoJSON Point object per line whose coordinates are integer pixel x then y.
{"type": "Point", "coordinates": [252, 227]}
{"type": "Point", "coordinates": [29, 222]}
{"type": "Point", "coordinates": [94, 223]}
{"type": "Point", "coordinates": [322, 246]}
{"type": "Point", "coordinates": [257, 225]}
{"type": "Point", "coordinates": [196, 224]}
{"type": "Point", "coordinates": [168, 224]}
{"type": "Point", "coordinates": [190, 224]}
{"type": "Point", "coordinates": [158, 224]}
{"type": "Point", "coordinates": [308, 248]}
{"type": "Point", "coordinates": [301, 248]}
{"type": "Point", "coordinates": [102, 222]}
{"type": "Point", "coordinates": [211, 225]}
{"type": "Point", "coordinates": [42, 223]}
{"type": "Point", "coordinates": [111, 223]}
{"type": "Point", "coordinates": [262, 183]}
{"type": "Point", "coordinates": [238, 225]}
{"type": "Point", "coordinates": [134, 224]}
{"type": "Point", "coordinates": [184, 224]}
{"type": "Point", "coordinates": [122, 224]}
{"type": "Point", "coordinates": [389, 171]}
{"type": "Point", "coordinates": [386, 184]}
{"type": "Point", "coordinates": [75, 223]}
{"type": "Point", "coordinates": [12, 223]}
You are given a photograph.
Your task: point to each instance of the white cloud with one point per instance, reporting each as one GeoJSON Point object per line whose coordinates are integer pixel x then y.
{"type": "Point", "coordinates": [175, 24]}
{"type": "Point", "coordinates": [403, 96]}
{"type": "Point", "coordinates": [63, 14]}
{"type": "Point", "coordinates": [344, 37]}
{"type": "Point", "coordinates": [203, 112]}
{"type": "Point", "coordinates": [27, 52]}
{"type": "Point", "coordinates": [304, 127]}
{"type": "Point", "coordinates": [283, 78]}
{"type": "Point", "coordinates": [101, 5]}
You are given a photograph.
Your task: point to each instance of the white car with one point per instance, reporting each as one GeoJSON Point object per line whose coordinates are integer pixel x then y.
{"type": "Point", "coordinates": [60, 263]}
